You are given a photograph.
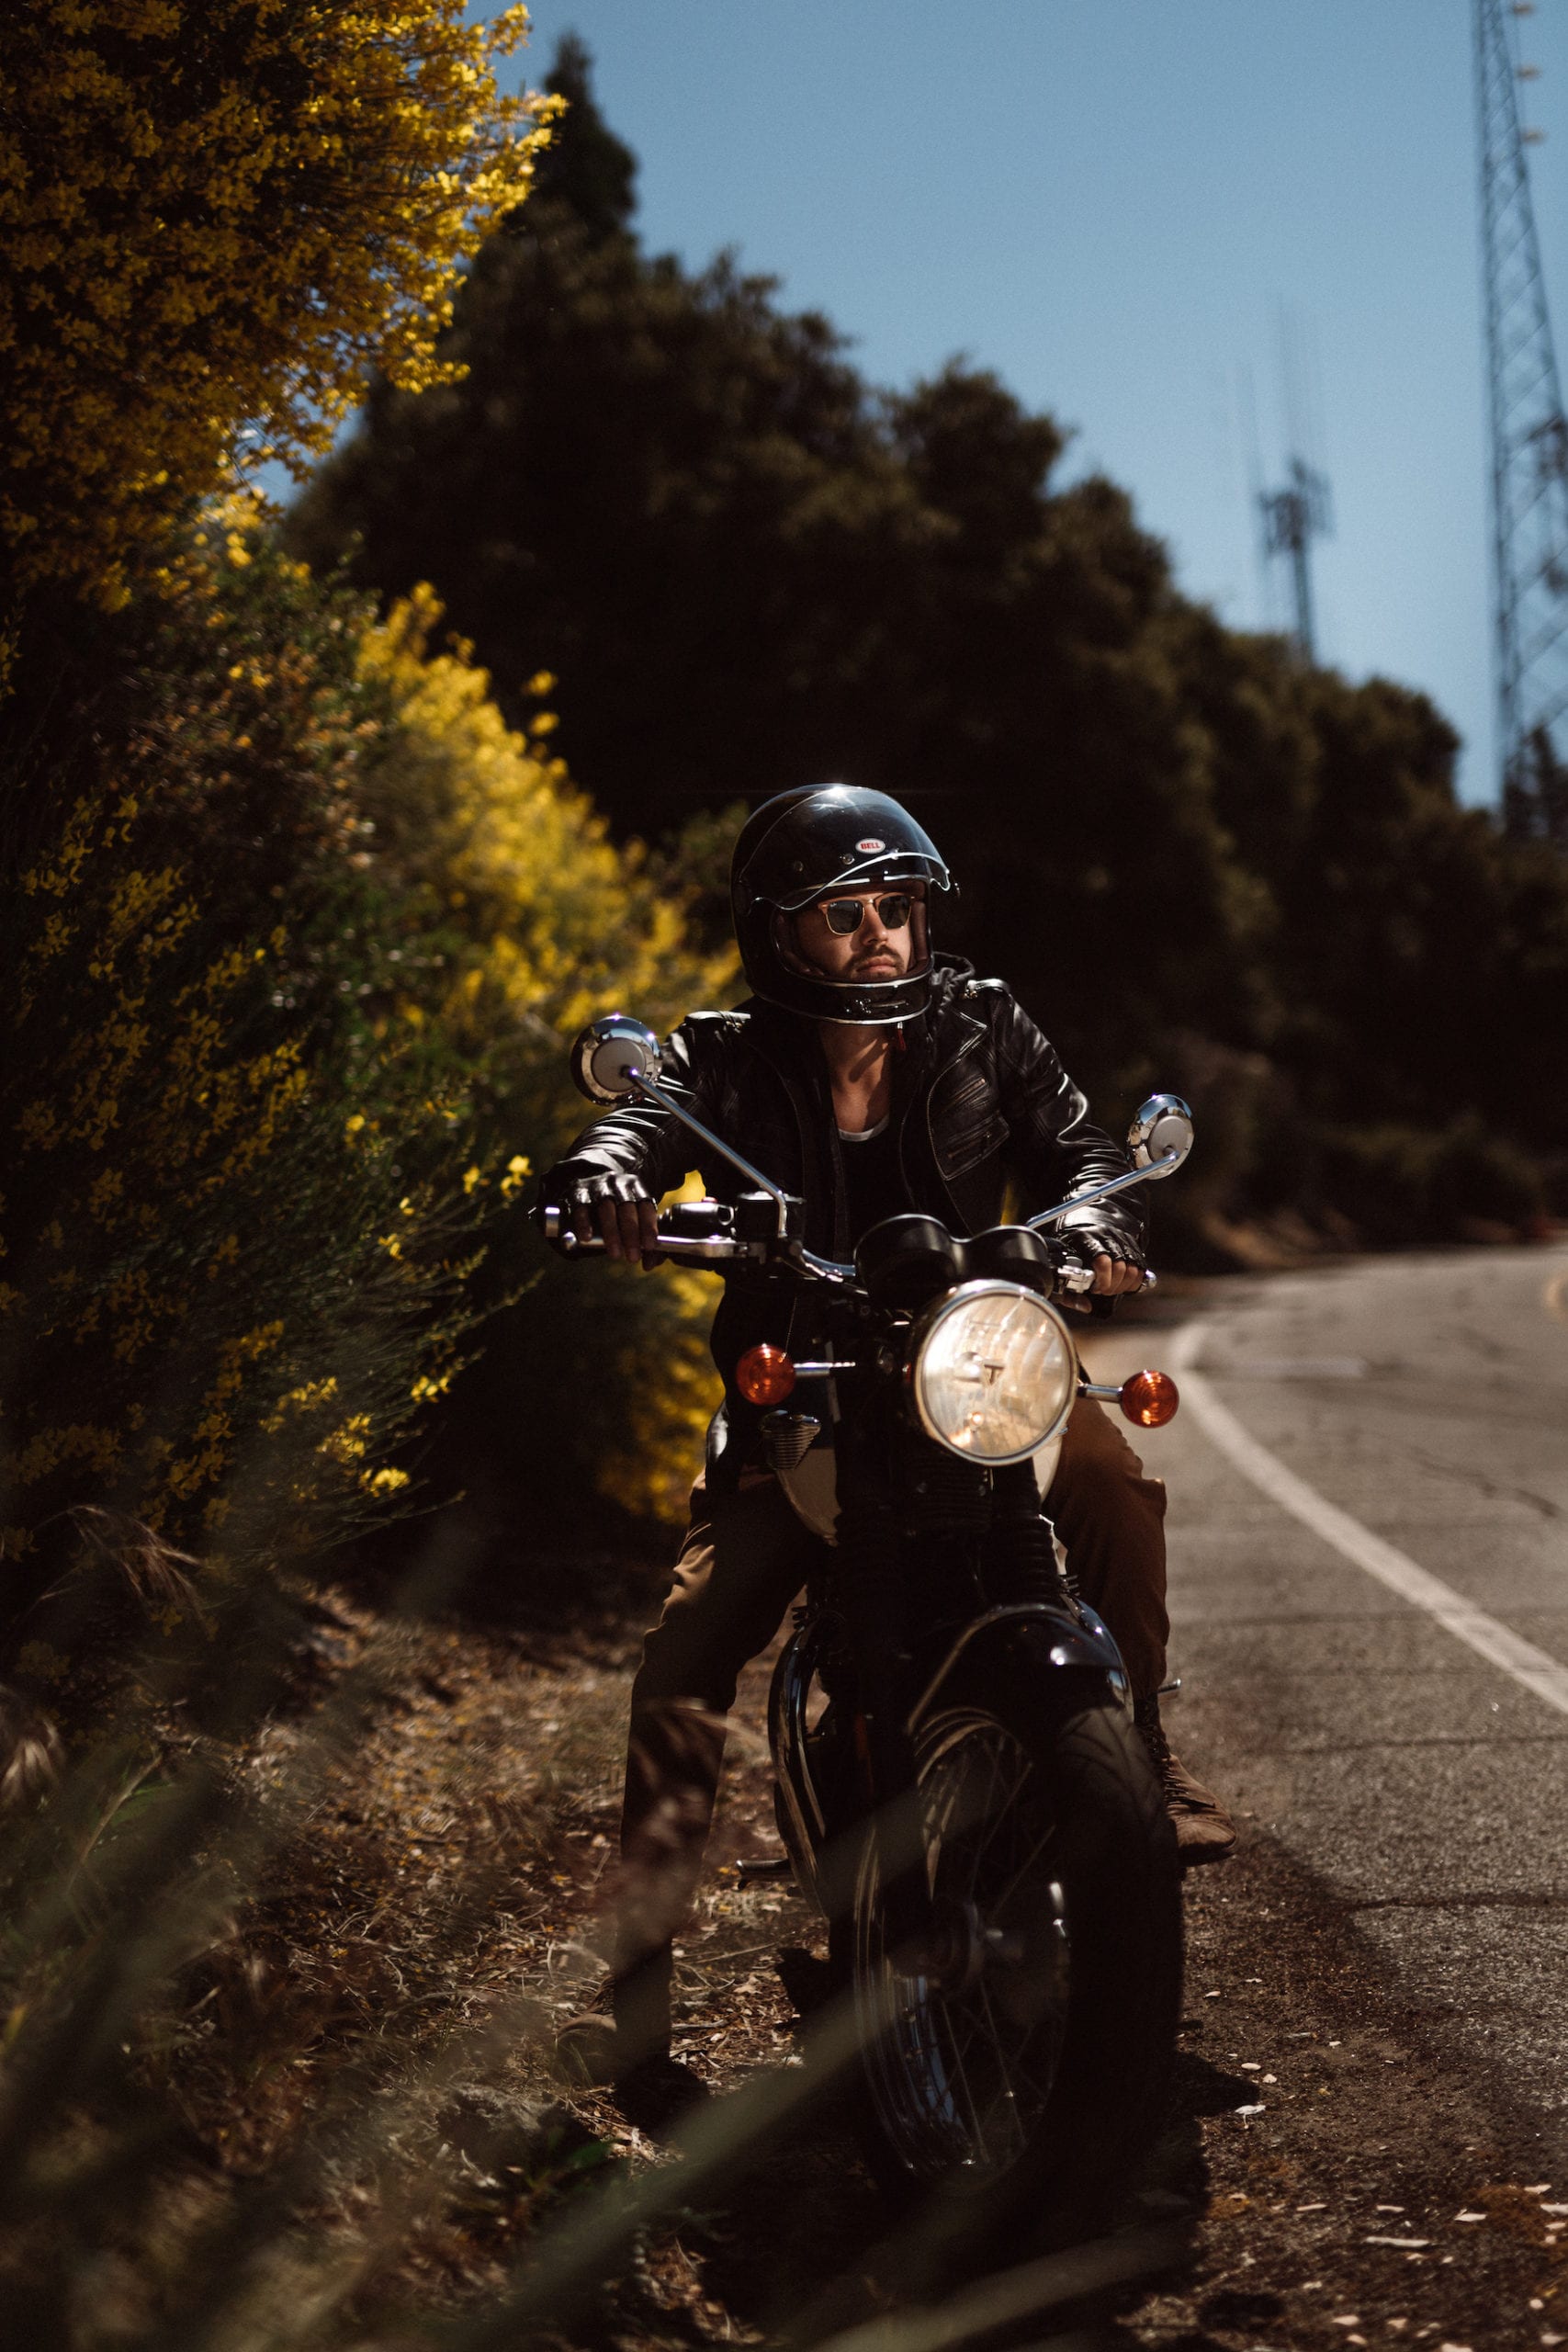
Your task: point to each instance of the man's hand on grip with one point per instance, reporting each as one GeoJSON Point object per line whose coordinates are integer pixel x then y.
{"type": "Point", "coordinates": [619, 1211]}
{"type": "Point", "coordinates": [1114, 1276]}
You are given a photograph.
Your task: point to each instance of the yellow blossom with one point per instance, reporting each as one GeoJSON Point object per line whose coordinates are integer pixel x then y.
{"type": "Point", "coordinates": [384, 1482]}
{"type": "Point", "coordinates": [246, 210]}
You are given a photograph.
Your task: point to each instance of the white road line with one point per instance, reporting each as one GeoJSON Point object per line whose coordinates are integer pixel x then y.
{"type": "Point", "coordinates": [1532, 1667]}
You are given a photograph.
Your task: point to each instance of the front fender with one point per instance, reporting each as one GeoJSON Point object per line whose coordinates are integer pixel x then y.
{"type": "Point", "coordinates": [1030, 1634]}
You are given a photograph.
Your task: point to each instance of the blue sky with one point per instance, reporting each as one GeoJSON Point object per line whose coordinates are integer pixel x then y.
{"type": "Point", "coordinates": [1127, 208]}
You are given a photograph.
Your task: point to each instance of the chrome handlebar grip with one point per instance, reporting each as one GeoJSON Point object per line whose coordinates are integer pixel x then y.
{"type": "Point", "coordinates": [707, 1248]}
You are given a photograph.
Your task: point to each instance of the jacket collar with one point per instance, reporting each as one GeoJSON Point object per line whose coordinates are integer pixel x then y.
{"type": "Point", "coordinates": [788, 1040]}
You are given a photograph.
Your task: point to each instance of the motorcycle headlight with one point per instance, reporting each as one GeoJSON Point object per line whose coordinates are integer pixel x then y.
{"type": "Point", "coordinates": [992, 1371]}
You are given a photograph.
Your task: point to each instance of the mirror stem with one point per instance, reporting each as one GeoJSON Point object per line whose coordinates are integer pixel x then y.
{"type": "Point", "coordinates": [753, 1175]}
{"type": "Point", "coordinates": [1101, 1192]}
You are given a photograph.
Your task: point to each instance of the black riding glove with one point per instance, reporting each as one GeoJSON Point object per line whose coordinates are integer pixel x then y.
{"type": "Point", "coordinates": [586, 1204]}
{"type": "Point", "coordinates": [1075, 1251]}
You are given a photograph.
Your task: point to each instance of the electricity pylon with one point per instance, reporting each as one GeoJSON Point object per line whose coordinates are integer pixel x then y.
{"type": "Point", "coordinates": [1529, 449]}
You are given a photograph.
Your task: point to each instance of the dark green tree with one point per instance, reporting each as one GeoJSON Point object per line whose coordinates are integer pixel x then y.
{"type": "Point", "coordinates": [751, 569]}
{"type": "Point", "coordinates": [586, 168]}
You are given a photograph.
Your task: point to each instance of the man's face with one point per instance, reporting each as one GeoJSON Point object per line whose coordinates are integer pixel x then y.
{"type": "Point", "coordinates": [871, 952]}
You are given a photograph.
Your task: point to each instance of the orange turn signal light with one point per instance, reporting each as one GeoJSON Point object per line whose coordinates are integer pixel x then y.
{"type": "Point", "coordinates": [1150, 1398]}
{"type": "Point", "coordinates": [765, 1375]}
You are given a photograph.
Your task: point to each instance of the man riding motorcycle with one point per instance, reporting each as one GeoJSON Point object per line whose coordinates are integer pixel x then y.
{"type": "Point", "coordinates": [869, 1076]}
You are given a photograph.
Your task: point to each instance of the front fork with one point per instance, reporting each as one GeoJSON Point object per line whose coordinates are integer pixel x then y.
{"type": "Point", "coordinates": [879, 1787]}
{"type": "Point", "coordinates": [1021, 1562]}
{"type": "Point", "coordinates": [873, 1599]}
{"type": "Point", "coordinates": [1020, 1570]}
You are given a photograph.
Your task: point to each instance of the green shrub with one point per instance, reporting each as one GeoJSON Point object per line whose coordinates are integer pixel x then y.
{"type": "Point", "coordinates": [302, 931]}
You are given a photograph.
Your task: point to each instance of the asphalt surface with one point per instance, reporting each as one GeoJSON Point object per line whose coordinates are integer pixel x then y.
{"type": "Point", "coordinates": [1387, 1957]}
{"type": "Point", "coordinates": [1368, 2136]}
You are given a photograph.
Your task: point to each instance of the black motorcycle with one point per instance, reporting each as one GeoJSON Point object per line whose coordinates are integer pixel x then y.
{"type": "Point", "coordinates": [960, 1788]}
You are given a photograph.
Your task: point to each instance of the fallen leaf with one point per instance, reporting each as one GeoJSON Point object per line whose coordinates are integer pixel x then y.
{"type": "Point", "coordinates": [1311, 2209]}
{"type": "Point", "coordinates": [1399, 2241]}
{"type": "Point", "coordinates": [1345, 2319]}
{"type": "Point", "coordinates": [1258, 2108]}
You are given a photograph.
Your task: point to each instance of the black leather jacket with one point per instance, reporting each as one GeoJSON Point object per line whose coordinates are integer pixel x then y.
{"type": "Point", "coordinates": [979, 1098]}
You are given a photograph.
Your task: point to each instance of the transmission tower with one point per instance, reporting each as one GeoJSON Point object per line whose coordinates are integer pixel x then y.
{"type": "Point", "coordinates": [1529, 449]}
{"type": "Point", "coordinates": [1293, 518]}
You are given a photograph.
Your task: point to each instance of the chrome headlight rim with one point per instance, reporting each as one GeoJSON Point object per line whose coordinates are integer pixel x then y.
{"type": "Point", "coordinates": [930, 1320]}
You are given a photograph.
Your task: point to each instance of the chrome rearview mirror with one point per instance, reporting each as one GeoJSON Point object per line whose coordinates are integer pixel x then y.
{"type": "Point", "coordinates": [611, 1055]}
{"type": "Point", "coordinates": [617, 1060]}
{"type": "Point", "coordinates": [1160, 1135]}
{"type": "Point", "coordinates": [1158, 1139]}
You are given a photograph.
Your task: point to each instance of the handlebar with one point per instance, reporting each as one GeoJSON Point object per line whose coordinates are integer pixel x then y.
{"type": "Point", "coordinates": [703, 1233]}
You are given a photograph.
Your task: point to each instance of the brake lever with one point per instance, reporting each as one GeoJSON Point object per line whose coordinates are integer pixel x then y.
{"type": "Point", "coordinates": [706, 1249]}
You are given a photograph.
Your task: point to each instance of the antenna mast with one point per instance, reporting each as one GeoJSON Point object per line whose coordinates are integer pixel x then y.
{"type": "Point", "coordinates": [1293, 518]}
{"type": "Point", "coordinates": [1530, 451]}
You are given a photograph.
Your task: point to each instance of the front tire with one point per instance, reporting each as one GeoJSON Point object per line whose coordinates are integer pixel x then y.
{"type": "Point", "coordinates": [1016, 2080]}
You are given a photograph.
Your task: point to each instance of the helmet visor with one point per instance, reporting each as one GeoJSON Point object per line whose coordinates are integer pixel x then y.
{"type": "Point", "coordinates": [835, 838]}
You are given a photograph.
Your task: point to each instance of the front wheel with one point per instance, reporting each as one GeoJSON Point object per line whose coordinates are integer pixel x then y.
{"type": "Point", "coordinates": [1014, 2061]}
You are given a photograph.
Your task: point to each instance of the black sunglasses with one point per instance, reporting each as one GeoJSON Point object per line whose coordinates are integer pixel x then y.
{"type": "Point", "coordinates": [843, 915]}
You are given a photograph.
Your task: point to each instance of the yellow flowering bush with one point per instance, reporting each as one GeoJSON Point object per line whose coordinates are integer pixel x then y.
{"type": "Point", "coordinates": [219, 215]}
{"type": "Point", "coordinates": [203, 1326]}
{"type": "Point", "coordinates": [293, 967]}
{"type": "Point", "coordinates": [558, 920]}
{"type": "Point", "coordinates": [590, 1379]}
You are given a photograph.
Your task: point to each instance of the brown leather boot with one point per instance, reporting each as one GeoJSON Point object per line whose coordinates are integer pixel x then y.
{"type": "Point", "coordinates": [627, 2027]}
{"type": "Point", "coordinates": [623, 2047]}
{"type": "Point", "coordinates": [1204, 1830]}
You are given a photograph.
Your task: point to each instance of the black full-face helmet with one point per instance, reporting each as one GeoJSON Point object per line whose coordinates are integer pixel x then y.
{"type": "Point", "coordinates": [803, 846]}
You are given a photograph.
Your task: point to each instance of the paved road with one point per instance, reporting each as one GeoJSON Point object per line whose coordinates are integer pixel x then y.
{"type": "Point", "coordinates": [1424, 1784]}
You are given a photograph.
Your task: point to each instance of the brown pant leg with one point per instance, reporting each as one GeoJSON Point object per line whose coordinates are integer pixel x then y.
{"type": "Point", "coordinates": [745, 1557]}
{"type": "Point", "coordinates": [1111, 1519]}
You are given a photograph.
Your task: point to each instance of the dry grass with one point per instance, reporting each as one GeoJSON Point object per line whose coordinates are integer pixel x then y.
{"type": "Point", "coordinates": [331, 1958]}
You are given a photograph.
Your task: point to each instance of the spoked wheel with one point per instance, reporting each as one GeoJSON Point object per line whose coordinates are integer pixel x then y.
{"type": "Point", "coordinates": [1015, 2054]}
{"type": "Point", "coordinates": [961, 2057]}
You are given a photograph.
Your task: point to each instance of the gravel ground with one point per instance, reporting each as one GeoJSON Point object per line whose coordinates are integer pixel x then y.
{"type": "Point", "coordinates": [1334, 2181]}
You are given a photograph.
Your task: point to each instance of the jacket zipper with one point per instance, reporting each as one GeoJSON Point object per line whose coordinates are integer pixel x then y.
{"type": "Point", "coordinates": [953, 1061]}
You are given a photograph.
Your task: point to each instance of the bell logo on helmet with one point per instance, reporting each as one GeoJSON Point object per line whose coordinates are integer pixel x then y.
{"type": "Point", "coordinates": [869, 849]}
